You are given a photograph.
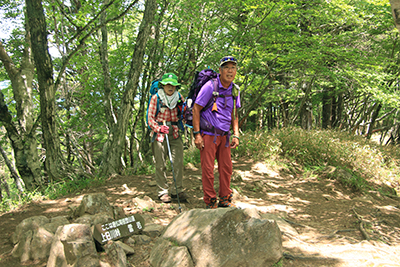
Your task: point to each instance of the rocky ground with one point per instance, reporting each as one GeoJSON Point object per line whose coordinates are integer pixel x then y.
{"type": "Point", "coordinates": [329, 224]}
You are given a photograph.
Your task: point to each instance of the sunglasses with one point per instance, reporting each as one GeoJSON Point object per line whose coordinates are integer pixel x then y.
{"type": "Point", "coordinates": [228, 59]}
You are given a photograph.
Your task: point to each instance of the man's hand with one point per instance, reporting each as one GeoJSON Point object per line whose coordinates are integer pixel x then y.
{"type": "Point", "coordinates": [235, 142]}
{"type": "Point", "coordinates": [198, 141]}
{"type": "Point", "coordinates": [164, 129]}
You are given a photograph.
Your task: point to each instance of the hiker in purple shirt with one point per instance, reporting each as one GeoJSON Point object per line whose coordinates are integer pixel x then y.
{"type": "Point", "coordinates": [211, 128]}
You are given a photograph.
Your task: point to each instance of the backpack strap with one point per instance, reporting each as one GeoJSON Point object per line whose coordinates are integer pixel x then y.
{"type": "Point", "coordinates": [215, 94]}
{"type": "Point", "coordinates": [235, 94]}
{"type": "Point", "coordinates": [158, 105]}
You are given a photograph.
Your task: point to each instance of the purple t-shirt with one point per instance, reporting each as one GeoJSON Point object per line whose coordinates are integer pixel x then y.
{"type": "Point", "coordinates": [221, 119]}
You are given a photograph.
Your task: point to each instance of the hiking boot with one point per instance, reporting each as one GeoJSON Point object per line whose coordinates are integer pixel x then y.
{"type": "Point", "coordinates": [182, 196]}
{"type": "Point", "coordinates": [212, 204]}
{"type": "Point", "coordinates": [165, 198]}
{"type": "Point", "coordinates": [226, 202]}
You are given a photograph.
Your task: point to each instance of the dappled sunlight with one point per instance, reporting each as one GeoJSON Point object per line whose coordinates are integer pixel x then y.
{"type": "Point", "coordinates": [262, 168]}
{"type": "Point", "coordinates": [301, 217]}
{"type": "Point", "coordinates": [125, 189]}
{"type": "Point", "coordinates": [183, 232]}
{"type": "Point", "coordinates": [389, 208]}
{"type": "Point", "coordinates": [320, 210]}
{"type": "Point", "coordinates": [167, 220]}
{"type": "Point", "coordinates": [190, 235]}
{"type": "Point", "coordinates": [56, 206]}
{"type": "Point", "coordinates": [298, 200]}
{"type": "Point", "coordinates": [276, 195]}
{"type": "Point", "coordinates": [263, 206]}
{"type": "Point", "coordinates": [319, 218]}
{"type": "Point", "coordinates": [343, 253]}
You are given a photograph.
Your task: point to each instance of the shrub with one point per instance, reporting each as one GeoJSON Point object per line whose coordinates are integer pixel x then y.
{"type": "Point", "coordinates": [366, 159]}
{"type": "Point", "coordinates": [258, 145]}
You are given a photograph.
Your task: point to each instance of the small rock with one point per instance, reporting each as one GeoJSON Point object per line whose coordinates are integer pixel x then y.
{"type": "Point", "coordinates": [139, 240]}
{"type": "Point", "coordinates": [153, 230]}
{"type": "Point", "coordinates": [128, 249]}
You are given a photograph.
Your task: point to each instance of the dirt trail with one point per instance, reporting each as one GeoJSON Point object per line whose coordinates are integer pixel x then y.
{"type": "Point", "coordinates": [323, 223]}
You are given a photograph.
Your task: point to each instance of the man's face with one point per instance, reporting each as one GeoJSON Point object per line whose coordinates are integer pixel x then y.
{"type": "Point", "coordinates": [227, 72]}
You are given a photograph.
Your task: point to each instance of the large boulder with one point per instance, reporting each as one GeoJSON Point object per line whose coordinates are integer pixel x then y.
{"type": "Point", "coordinates": [94, 204]}
{"type": "Point", "coordinates": [29, 224]}
{"type": "Point", "coordinates": [223, 237]}
{"type": "Point", "coordinates": [166, 254]}
{"type": "Point", "coordinates": [66, 244]}
{"type": "Point", "coordinates": [33, 237]}
{"type": "Point", "coordinates": [73, 245]}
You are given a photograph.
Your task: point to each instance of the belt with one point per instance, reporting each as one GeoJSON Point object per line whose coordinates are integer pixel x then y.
{"type": "Point", "coordinates": [220, 132]}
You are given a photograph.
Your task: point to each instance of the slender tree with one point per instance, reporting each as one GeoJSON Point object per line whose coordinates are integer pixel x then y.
{"type": "Point", "coordinates": [111, 163]}
{"type": "Point", "coordinates": [54, 164]}
{"type": "Point", "coordinates": [23, 133]}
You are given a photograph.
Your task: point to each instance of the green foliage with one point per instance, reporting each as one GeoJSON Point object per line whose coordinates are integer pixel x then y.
{"type": "Point", "coordinates": [191, 155]}
{"type": "Point", "coordinates": [16, 199]}
{"type": "Point", "coordinates": [318, 148]}
{"type": "Point", "coordinates": [58, 189]}
{"type": "Point", "coordinates": [350, 179]}
{"type": "Point", "coordinates": [364, 160]}
{"type": "Point", "coordinates": [279, 263]}
{"type": "Point", "coordinates": [173, 242]}
{"type": "Point", "coordinates": [258, 145]}
{"type": "Point", "coordinates": [146, 168]}
{"type": "Point", "coordinates": [283, 47]}
{"type": "Point", "coordinates": [147, 209]}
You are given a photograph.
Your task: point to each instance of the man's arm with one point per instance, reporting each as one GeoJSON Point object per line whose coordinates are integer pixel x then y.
{"type": "Point", "coordinates": [198, 139]}
{"type": "Point", "coordinates": [235, 127]}
{"type": "Point", "coordinates": [196, 117]}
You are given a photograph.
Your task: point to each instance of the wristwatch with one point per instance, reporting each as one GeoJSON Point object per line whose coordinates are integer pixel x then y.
{"type": "Point", "coordinates": [196, 132]}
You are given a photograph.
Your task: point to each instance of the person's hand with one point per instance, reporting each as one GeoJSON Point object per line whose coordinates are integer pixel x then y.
{"type": "Point", "coordinates": [198, 141]}
{"type": "Point", "coordinates": [235, 142]}
{"type": "Point", "coordinates": [164, 129]}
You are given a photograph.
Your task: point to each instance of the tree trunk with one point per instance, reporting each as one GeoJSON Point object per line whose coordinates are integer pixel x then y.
{"type": "Point", "coordinates": [326, 109]}
{"type": "Point", "coordinates": [306, 109]}
{"type": "Point", "coordinates": [303, 109]}
{"type": "Point", "coordinates": [285, 113]}
{"type": "Point", "coordinates": [395, 5]}
{"type": "Point", "coordinates": [306, 116]}
{"type": "Point", "coordinates": [255, 102]}
{"type": "Point", "coordinates": [108, 107]}
{"type": "Point", "coordinates": [22, 137]}
{"type": "Point", "coordinates": [3, 184]}
{"type": "Point", "coordinates": [260, 113]}
{"type": "Point", "coordinates": [112, 154]}
{"type": "Point", "coordinates": [44, 68]}
{"type": "Point", "coordinates": [373, 120]}
{"type": "Point", "coordinates": [270, 116]}
{"type": "Point", "coordinates": [13, 172]}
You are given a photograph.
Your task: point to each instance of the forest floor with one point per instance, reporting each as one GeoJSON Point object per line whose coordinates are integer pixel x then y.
{"type": "Point", "coordinates": [330, 224]}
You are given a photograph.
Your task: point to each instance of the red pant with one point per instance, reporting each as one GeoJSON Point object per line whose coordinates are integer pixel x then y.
{"type": "Point", "coordinates": [208, 155]}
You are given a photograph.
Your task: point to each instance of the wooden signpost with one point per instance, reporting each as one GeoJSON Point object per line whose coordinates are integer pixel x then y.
{"type": "Point", "coordinates": [118, 229]}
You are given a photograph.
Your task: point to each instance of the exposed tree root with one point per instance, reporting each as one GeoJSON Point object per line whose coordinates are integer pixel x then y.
{"type": "Point", "coordinates": [316, 258]}
{"type": "Point", "coordinates": [362, 229]}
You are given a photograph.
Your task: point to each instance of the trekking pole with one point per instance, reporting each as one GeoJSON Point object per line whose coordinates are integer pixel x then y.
{"type": "Point", "coordinates": [173, 173]}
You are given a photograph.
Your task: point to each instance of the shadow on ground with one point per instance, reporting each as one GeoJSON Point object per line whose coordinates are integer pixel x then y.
{"type": "Point", "coordinates": [326, 224]}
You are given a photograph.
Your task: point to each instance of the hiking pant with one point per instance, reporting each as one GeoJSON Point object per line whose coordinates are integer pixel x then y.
{"type": "Point", "coordinates": [210, 152]}
{"type": "Point", "coordinates": [161, 156]}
